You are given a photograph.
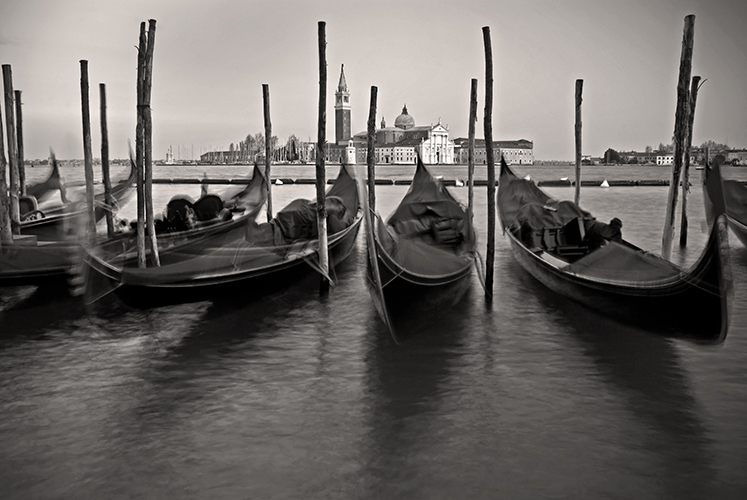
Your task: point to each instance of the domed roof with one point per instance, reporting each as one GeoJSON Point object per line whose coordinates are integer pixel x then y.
{"type": "Point", "coordinates": [404, 120]}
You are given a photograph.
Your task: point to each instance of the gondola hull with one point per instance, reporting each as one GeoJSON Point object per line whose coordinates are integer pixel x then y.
{"type": "Point", "coordinates": [695, 304]}
{"type": "Point", "coordinates": [735, 200]}
{"type": "Point", "coordinates": [142, 292]}
{"type": "Point", "coordinates": [618, 279]}
{"type": "Point", "coordinates": [42, 264]}
{"type": "Point", "coordinates": [406, 293]}
{"type": "Point", "coordinates": [420, 261]}
{"type": "Point", "coordinates": [62, 221]}
{"type": "Point", "coordinates": [234, 258]}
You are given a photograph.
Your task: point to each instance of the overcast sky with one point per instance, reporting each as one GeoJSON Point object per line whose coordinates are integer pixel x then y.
{"type": "Point", "coordinates": [212, 57]}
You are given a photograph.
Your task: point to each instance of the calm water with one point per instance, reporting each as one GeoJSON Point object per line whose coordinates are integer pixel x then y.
{"type": "Point", "coordinates": [529, 396]}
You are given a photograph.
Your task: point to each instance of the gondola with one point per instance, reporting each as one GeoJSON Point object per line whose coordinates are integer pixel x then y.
{"type": "Point", "coordinates": [47, 251]}
{"type": "Point", "coordinates": [575, 255]}
{"type": "Point", "coordinates": [239, 259]}
{"type": "Point", "coordinates": [38, 261]}
{"type": "Point", "coordinates": [36, 193]}
{"type": "Point", "coordinates": [50, 225]}
{"type": "Point", "coordinates": [421, 259]}
{"type": "Point", "coordinates": [735, 200]}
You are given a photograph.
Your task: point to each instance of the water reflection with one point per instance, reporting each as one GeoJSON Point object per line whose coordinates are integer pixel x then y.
{"type": "Point", "coordinates": [31, 312]}
{"type": "Point", "coordinates": [644, 371]}
{"type": "Point", "coordinates": [405, 386]}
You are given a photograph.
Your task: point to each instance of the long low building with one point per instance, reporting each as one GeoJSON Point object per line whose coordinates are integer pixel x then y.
{"type": "Point", "coordinates": [519, 152]}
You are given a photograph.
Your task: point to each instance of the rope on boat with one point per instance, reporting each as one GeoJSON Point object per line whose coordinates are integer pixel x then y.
{"type": "Point", "coordinates": [314, 263]}
{"type": "Point", "coordinates": [480, 267]}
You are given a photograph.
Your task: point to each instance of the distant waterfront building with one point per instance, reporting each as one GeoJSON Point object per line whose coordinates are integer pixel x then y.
{"type": "Point", "coordinates": [519, 152]}
{"type": "Point", "coordinates": [664, 159]}
{"type": "Point", "coordinates": [737, 156]}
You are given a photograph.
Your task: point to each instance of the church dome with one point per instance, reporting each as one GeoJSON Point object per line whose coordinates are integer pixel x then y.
{"type": "Point", "coordinates": [404, 121]}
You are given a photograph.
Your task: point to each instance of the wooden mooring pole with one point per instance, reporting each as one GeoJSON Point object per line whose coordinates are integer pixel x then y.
{"type": "Point", "coordinates": [6, 234]}
{"type": "Point", "coordinates": [371, 152]}
{"type": "Point", "coordinates": [13, 189]}
{"type": "Point", "coordinates": [686, 165]}
{"type": "Point", "coordinates": [139, 143]}
{"type": "Point", "coordinates": [490, 257]}
{"type": "Point", "coordinates": [321, 208]}
{"type": "Point", "coordinates": [148, 142]}
{"type": "Point", "coordinates": [680, 131]}
{"type": "Point", "coordinates": [19, 149]}
{"type": "Point", "coordinates": [268, 146]}
{"type": "Point", "coordinates": [105, 163]}
{"type": "Point", "coordinates": [471, 150]}
{"type": "Point", "coordinates": [577, 129]}
{"type": "Point", "coordinates": [87, 154]}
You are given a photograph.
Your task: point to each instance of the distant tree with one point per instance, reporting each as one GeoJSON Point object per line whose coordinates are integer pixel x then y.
{"type": "Point", "coordinates": [633, 160]}
{"type": "Point", "coordinates": [611, 156]}
{"type": "Point", "coordinates": [649, 149]}
{"type": "Point", "coordinates": [666, 148]}
{"type": "Point", "coordinates": [714, 146]}
{"type": "Point", "coordinates": [293, 146]}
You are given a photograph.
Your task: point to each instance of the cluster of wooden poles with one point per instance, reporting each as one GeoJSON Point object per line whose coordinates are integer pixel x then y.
{"type": "Point", "coordinates": [9, 195]}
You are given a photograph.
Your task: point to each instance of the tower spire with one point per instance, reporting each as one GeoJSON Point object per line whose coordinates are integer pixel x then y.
{"type": "Point", "coordinates": [342, 110]}
{"type": "Point", "coordinates": [343, 85]}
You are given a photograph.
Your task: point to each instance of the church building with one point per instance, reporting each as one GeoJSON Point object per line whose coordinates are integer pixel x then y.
{"type": "Point", "coordinates": [398, 144]}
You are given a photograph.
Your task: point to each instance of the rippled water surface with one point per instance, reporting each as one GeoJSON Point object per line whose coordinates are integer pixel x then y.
{"type": "Point", "coordinates": [291, 396]}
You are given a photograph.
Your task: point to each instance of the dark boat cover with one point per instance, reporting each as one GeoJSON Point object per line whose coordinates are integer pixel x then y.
{"type": "Point", "coordinates": [430, 233]}
{"type": "Point", "coordinates": [603, 255]}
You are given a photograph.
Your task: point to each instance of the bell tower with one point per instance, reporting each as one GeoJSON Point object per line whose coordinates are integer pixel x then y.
{"type": "Point", "coordinates": [342, 110]}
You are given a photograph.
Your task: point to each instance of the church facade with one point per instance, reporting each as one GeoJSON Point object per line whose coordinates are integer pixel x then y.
{"type": "Point", "coordinates": [398, 144]}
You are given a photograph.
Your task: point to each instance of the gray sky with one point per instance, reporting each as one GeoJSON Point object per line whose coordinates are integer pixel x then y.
{"type": "Point", "coordinates": [212, 57]}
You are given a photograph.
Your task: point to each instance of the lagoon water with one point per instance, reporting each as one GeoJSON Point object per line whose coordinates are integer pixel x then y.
{"type": "Point", "coordinates": [527, 396]}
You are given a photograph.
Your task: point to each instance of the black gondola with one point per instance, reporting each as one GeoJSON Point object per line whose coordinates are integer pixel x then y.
{"type": "Point", "coordinates": [734, 200]}
{"type": "Point", "coordinates": [571, 253]}
{"type": "Point", "coordinates": [421, 258]}
{"type": "Point", "coordinates": [239, 258]}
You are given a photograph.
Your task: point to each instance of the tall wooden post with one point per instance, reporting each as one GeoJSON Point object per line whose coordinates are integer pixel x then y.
{"type": "Point", "coordinates": [579, 91]}
{"type": "Point", "coordinates": [139, 144]}
{"type": "Point", "coordinates": [490, 257]}
{"type": "Point", "coordinates": [148, 142]}
{"type": "Point", "coordinates": [19, 149]}
{"type": "Point", "coordinates": [13, 189]}
{"type": "Point", "coordinates": [268, 146]}
{"type": "Point", "coordinates": [105, 163]}
{"type": "Point", "coordinates": [471, 146]}
{"type": "Point", "coordinates": [686, 166]}
{"type": "Point", "coordinates": [87, 154]}
{"type": "Point", "coordinates": [680, 131]}
{"type": "Point", "coordinates": [321, 181]}
{"type": "Point", "coordinates": [371, 152]}
{"type": "Point", "coordinates": [6, 234]}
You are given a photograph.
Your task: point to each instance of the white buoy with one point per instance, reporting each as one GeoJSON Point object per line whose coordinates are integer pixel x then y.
{"type": "Point", "coordinates": [564, 178]}
{"type": "Point", "coordinates": [527, 177]}
{"type": "Point", "coordinates": [278, 182]}
{"type": "Point", "coordinates": [459, 183]}
{"type": "Point", "coordinates": [605, 184]}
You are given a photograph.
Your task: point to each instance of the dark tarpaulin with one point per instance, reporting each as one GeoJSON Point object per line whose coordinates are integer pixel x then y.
{"type": "Point", "coordinates": [429, 233]}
